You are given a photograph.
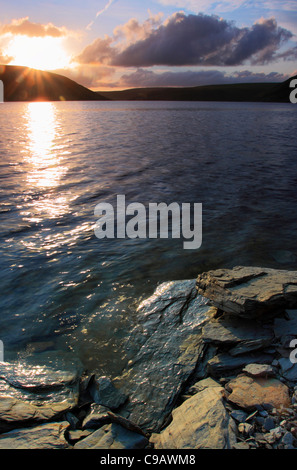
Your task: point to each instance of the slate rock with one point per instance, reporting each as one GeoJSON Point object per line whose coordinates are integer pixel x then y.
{"type": "Point", "coordinates": [45, 436]}
{"type": "Point", "coordinates": [97, 417]}
{"type": "Point", "coordinates": [168, 337]}
{"type": "Point", "coordinates": [249, 291]}
{"type": "Point", "coordinates": [104, 393]}
{"type": "Point", "coordinates": [247, 334]}
{"type": "Point", "coordinates": [288, 369]}
{"type": "Point", "coordinates": [201, 422]}
{"type": "Point", "coordinates": [31, 394]}
{"type": "Point", "coordinates": [259, 370]}
{"type": "Point", "coordinates": [224, 363]}
{"type": "Point", "coordinates": [113, 436]}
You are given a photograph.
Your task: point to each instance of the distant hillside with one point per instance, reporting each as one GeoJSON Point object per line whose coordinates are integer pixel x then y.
{"type": "Point", "coordinates": [26, 84]}
{"type": "Point", "coordinates": [254, 92]}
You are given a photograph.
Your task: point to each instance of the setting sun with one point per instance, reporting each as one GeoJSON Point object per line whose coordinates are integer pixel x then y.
{"type": "Point", "coordinates": [46, 53]}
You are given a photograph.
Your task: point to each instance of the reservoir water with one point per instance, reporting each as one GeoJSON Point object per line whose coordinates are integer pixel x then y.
{"type": "Point", "coordinates": [64, 291]}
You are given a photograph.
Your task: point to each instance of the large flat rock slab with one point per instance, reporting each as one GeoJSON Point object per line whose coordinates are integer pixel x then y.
{"type": "Point", "coordinates": [249, 291]}
{"type": "Point", "coordinates": [201, 422]}
{"type": "Point", "coordinates": [170, 345]}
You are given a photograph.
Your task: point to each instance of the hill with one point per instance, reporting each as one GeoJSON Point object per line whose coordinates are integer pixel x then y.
{"type": "Point", "coordinates": [253, 92]}
{"type": "Point", "coordinates": [26, 84]}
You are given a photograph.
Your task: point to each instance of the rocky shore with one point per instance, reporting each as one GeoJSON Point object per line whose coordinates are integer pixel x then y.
{"type": "Point", "coordinates": [214, 368]}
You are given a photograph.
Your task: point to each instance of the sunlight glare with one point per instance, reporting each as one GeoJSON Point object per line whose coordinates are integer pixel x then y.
{"type": "Point", "coordinates": [46, 53]}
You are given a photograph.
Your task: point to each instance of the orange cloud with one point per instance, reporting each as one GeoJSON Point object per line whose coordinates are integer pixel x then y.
{"type": "Point", "coordinates": [27, 28]}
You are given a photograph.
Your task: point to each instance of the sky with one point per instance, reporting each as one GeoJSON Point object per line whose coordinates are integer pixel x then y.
{"type": "Point", "coordinates": [120, 44]}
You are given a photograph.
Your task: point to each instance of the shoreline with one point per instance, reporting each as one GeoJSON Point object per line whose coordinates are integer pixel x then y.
{"type": "Point", "coordinates": [213, 370]}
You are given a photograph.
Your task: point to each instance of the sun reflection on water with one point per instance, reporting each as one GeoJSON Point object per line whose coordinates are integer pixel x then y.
{"type": "Point", "coordinates": [45, 156]}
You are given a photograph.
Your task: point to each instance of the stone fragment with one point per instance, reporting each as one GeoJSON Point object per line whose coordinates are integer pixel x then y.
{"type": "Point", "coordinates": [246, 429]}
{"type": "Point", "coordinates": [239, 415]}
{"type": "Point", "coordinates": [247, 335]}
{"type": "Point", "coordinates": [259, 370]}
{"type": "Point", "coordinates": [104, 393]}
{"type": "Point", "coordinates": [45, 436]}
{"type": "Point", "coordinates": [249, 291]}
{"type": "Point", "coordinates": [248, 392]}
{"type": "Point", "coordinates": [201, 422]}
{"type": "Point", "coordinates": [97, 417]}
{"type": "Point", "coordinates": [224, 363]}
{"type": "Point", "coordinates": [113, 436]}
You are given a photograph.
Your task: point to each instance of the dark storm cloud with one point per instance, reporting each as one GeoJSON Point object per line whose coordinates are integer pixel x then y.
{"type": "Point", "coordinates": [204, 40]}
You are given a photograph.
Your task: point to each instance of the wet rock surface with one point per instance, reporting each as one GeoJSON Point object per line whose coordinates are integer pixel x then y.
{"type": "Point", "coordinates": [249, 291]}
{"type": "Point", "coordinates": [213, 373]}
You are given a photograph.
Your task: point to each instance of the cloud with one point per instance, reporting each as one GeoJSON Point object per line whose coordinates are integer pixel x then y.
{"type": "Point", "coordinates": [99, 52]}
{"type": "Point", "coordinates": [204, 40]}
{"type": "Point", "coordinates": [100, 12]}
{"type": "Point", "coordinates": [189, 78]}
{"type": "Point", "coordinates": [24, 26]}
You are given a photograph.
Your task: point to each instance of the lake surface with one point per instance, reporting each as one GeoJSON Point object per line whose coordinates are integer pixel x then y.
{"type": "Point", "coordinates": [63, 287]}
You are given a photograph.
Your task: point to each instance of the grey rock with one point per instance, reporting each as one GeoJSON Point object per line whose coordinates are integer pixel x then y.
{"type": "Point", "coordinates": [104, 393]}
{"type": "Point", "coordinates": [249, 291]}
{"type": "Point", "coordinates": [168, 336]}
{"type": "Point", "coordinates": [247, 335]}
{"type": "Point", "coordinates": [288, 439]}
{"type": "Point", "coordinates": [113, 436]}
{"type": "Point", "coordinates": [288, 369]}
{"type": "Point", "coordinates": [269, 423]}
{"type": "Point", "coordinates": [239, 415]}
{"type": "Point", "coordinates": [224, 363]}
{"type": "Point", "coordinates": [285, 329]}
{"type": "Point", "coordinates": [72, 420]}
{"type": "Point", "coordinates": [45, 436]}
{"type": "Point", "coordinates": [259, 370]}
{"type": "Point", "coordinates": [97, 417]}
{"type": "Point", "coordinates": [201, 422]}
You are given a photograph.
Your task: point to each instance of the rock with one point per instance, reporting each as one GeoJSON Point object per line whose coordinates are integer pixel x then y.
{"type": "Point", "coordinates": [288, 369]}
{"type": "Point", "coordinates": [258, 370]}
{"type": "Point", "coordinates": [77, 435]}
{"type": "Point", "coordinates": [268, 423]}
{"type": "Point", "coordinates": [104, 393]}
{"type": "Point", "coordinates": [72, 420]}
{"type": "Point", "coordinates": [249, 291]}
{"type": "Point", "coordinates": [224, 363]}
{"type": "Point", "coordinates": [246, 334]}
{"type": "Point", "coordinates": [239, 415]}
{"type": "Point", "coordinates": [201, 422]}
{"type": "Point", "coordinates": [97, 417]}
{"type": "Point", "coordinates": [246, 429]}
{"type": "Point", "coordinates": [248, 392]}
{"type": "Point", "coordinates": [285, 330]}
{"type": "Point", "coordinates": [202, 385]}
{"type": "Point", "coordinates": [241, 446]}
{"type": "Point", "coordinates": [31, 394]}
{"type": "Point", "coordinates": [168, 335]}
{"type": "Point", "coordinates": [113, 436]}
{"type": "Point", "coordinates": [45, 436]}
{"type": "Point", "coordinates": [288, 439]}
